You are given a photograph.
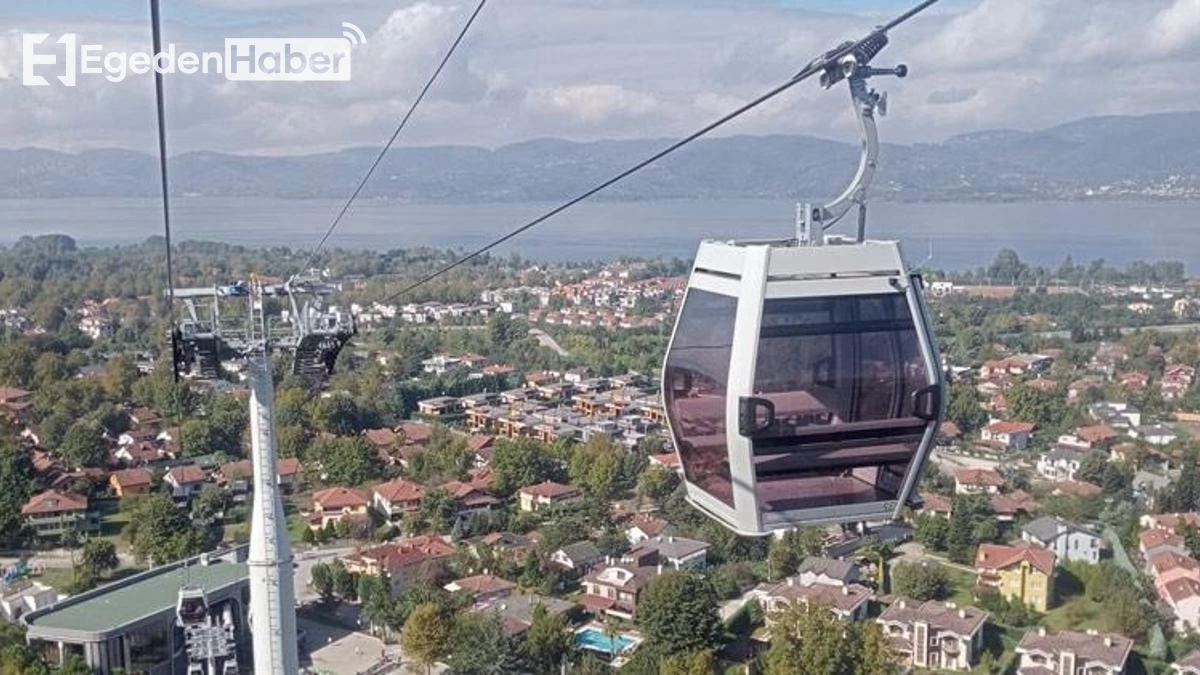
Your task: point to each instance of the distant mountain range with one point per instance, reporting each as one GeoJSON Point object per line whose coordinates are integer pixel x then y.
{"type": "Point", "coordinates": [1155, 156]}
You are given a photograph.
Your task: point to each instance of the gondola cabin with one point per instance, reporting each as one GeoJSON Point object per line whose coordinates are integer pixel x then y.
{"type": "Point", "coordinates": [801, 384]}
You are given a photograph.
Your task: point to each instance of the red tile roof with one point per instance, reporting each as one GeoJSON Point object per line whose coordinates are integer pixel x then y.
{"type": "Point", "coordinates": [187, 474]}
{"type": "Point", "coordinates": [289, 466]}
{"type": "Point", "coordinates": [400, 490]}
{"type": "Point", "coordinates": [986, 477]}
{"type": "Point", "coordinates": [130, 478]}
{"type": "Point", "coordinates": [338, 498]}
{"type": "Point", "coordinates": [483, 584]}
{"type": "Point", "coordinates": [53, 501]}
{"type": "Point", "coordinates": [1096, 433]}
{"type": "Point", "coordinates": [997, 557]}
{"type": "Point", "coordinates": [1078, 488]}
{"type": "Point", "coordinates": [407, 552]}
{"type": "Point", "coordinates": [550, 490]}
{"type": "Point", "coordinates": [415, 433]}
{"type": "Point", "coordinates": [1152, 538]}
{"type": "Point", "coordinates": [936, 503]}
{"type": "Point", "coordinates": [1010, 427]}
{"type": "Point", "coordinates": [650, 525]}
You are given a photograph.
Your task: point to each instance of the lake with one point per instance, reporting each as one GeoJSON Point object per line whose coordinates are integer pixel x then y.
{"type": "Point", "coordinates": [962, 235]}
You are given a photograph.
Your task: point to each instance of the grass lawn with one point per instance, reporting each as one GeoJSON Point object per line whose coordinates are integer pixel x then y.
{"type": "Point", "coordinates": [113, 524]}
{"type": "Point", "coordinates": [58, 577]}
{"type": "Point", "coordinates": [1077, 613]}
{"type": "Point", "coordinates": [962, 586]}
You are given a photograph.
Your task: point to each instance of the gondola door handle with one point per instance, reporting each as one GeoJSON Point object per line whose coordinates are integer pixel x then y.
{"type": "Point", "coordinates": [748, 408]}
{"type": "Point", "coordinates": [927, 402]}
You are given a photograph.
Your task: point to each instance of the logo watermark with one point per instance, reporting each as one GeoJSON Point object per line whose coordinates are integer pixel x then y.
{"type": "Point", "coordinates": [243, 59]}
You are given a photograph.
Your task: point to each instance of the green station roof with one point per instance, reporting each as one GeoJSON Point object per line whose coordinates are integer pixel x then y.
{"type": "Point", "coordinates": [137, 598]}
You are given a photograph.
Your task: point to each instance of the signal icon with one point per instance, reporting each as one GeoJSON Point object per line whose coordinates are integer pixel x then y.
{"type": "Point", "coordinates": [353, 33]}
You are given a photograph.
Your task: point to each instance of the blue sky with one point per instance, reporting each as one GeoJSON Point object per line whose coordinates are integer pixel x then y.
{"type": "Point", "coordinates": [587, 69]}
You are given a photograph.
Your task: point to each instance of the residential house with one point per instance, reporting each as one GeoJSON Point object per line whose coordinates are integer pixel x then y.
{"type": "Point", "coordinates": [613, 589]}
{"type": "Point", "coordinates": [578, 558]}
{"type": "Point", "coordinates": [1170, 522]}
{"type": "Point", "coordinates": [827, 571]}
{"type": "Point", "coordinates": [848, 603]}
{"type": "Point", "coordinates": [186, 481]}
{"type": "Point", "coordinates": [1116, 414]}
{"type": "Point", "coordinates": [977, 481]}
{"type": "Point", "coordinates": [1007, 435]}
{"type": "Point", "coordinates": [1070, 542]}
{"type": "Point", "coordinates": [677, 553]}
{"type": "Point", "coordinates": [643, 527]}
{"type": "Point", "coordinates": [1183, 596]}
{"type": "Point", "coordinates": [1023, 572]}
{"type": "Point", "coordinates": [516, 611]}
{"type": "Point", "coordinates": [547, 493]}
{"type": "Point", "coordinates": [338, 503]}
{"type": "Point", "coordinates": [291, 473]}
{"type": "Point", "coordinates": [472, 496]}
{"type": "Point", "coordinates": [1008, 506]}
{"type": "Point", "coordinates": [506, 546]}
{"type": "Point", "coordinates": [439, 406]}
{"type": "Point", "coordinates": [939, 635]}
{"type": "Point", "coordinates": [402, 562]}
{"type": "Point", "coordinates": [395, 498]}
{"type": "Point", "coordinates": [1097, 435]}
{"type": "Point", "coordinates": [52, 514]}
{"type": "Point", "coordinates": [130, 482]}
{"type": "Point", "coordinates": [1060, 463]}
{"type": "Point", "coordinates": [1155, 434]}
{"type": "Point", "coordinates": [1071, 653]}
{"type": "Point", "coordinates": [935, 504]}
{"type": "Point", "coordinates": [482, 587]}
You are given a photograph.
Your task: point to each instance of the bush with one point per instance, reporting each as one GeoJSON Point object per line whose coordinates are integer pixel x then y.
{"type": "Point", "coordinates": [920, 581]}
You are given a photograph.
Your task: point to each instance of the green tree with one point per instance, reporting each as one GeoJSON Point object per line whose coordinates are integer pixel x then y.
{"type": "Point", "coordinates": [161, 532]}
{"type": "Point", "coordinates": [478, 645]}
{"type": "Point", "coordinates": [17, 481]}
{"type": "Point", "coordinates": [595, 466]}
{"type": "Point", "coordinates": [970, 516]}
{"type": "Point", "coordinates": [872, 655]}
{"type": "Point", "coordinates": [54, 429]}
{"type": "Point", "coordinates": [920, 581]}
{"type": "Point", "coordinates": [964, 407]}
{"type": "Point", "coordinates": [338, 415]}
{"type": "Point", "coordinates": [678, 613]}
{"type": "Point", "coordinates": [321, 580]}
{"type": "Point", "coordinates": [547, 642]}
{"type": "Point", "coordinates": [426, 634]}
{"type": "Point", "coordinates": [690, 663]}
{"type": "Point", "coordinates": [99, 556]}
{"type": "Point", "coordinates": [344, 461]}
{"type": "Point", "coordinates": [656, 483]}
{"type": "Point", "coordinates": [83, 445]}
{"type": "Point", "coordinates": [806, 638]}
{"type": "Point", "coordinates": [932, 531]}
{"type": "Point", "coordinates": [120, 373]}
{"type": "Point", "coordinates": [520, 462]}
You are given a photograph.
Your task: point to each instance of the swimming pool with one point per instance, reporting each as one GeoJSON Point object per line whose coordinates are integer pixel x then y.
{"type": "Point", "coordinates": [593, 638]}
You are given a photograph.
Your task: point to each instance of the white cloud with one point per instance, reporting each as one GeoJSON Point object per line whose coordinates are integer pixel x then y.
{"type": "Point", "coordinates": [1175, 27]}
{"type": "Point", "coordinates": [620, 68]}
{"type": "Point", "coordinates": [591, 104]}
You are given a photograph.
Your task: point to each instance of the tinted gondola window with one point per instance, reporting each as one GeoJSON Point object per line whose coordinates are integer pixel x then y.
{"type": "Point", "coordinates": [696, 374]}
{"type": "Point", "coordinates": [832, 417]}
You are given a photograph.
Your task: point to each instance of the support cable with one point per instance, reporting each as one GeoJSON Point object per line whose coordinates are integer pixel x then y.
{"type": "Point", "coordinates": [395, 134]}
{"type": "Point", "coordinates": [822, 64]}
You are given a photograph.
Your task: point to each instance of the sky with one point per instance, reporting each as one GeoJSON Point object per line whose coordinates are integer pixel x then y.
{"type": "Point", "coordinates": [599, 69]}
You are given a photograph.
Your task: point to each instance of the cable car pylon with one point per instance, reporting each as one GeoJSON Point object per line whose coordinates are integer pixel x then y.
{"type": "Point", "coordinates": [802, 382]}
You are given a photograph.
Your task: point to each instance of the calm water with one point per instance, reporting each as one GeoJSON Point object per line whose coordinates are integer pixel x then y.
{"type": "Point", "coordinates": [962, 235]}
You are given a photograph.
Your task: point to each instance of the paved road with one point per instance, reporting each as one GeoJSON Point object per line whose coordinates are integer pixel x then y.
{"type": "Point", "coordinates": [547, 341]}
{"type": "Point", "coordinates": [305, 559]}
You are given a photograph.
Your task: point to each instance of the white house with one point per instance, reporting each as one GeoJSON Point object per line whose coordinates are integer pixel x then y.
{"type": "Point", "coordinates": [1060, 463]}
{"type": "Point", "coordinates": [1155, 434]}
{"type": "Point", "coordinates": [977, 481]}
{"type": "Point", "coordinates": [1068, 541]}
{"type": "Point", "coordinates": [1009, 435]}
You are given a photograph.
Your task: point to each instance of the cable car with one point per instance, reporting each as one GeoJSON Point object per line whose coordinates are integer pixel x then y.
{"type": "Point", "coordinates": [802, 383]}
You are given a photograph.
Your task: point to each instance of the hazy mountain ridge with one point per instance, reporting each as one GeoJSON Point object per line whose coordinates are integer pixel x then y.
{"type": "Point", "coordinates": [1150, 156]}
